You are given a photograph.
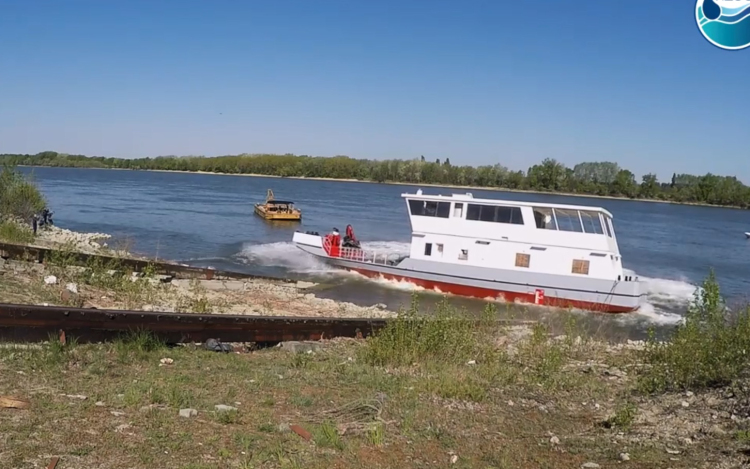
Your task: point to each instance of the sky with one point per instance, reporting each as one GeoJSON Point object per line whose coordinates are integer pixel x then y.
{"type": "Point", "coordinates": [479, 82]}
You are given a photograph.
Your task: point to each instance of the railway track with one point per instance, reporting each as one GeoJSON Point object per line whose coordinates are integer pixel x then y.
{"type": "Point", "coordinates": [40, 254]}
{"type": "Point", "coordinates": [30, 323]}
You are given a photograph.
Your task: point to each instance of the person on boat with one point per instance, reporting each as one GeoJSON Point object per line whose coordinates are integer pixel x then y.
{"type": "Point", "coordinates": [334, 238]}
{"type": "Point", "coordinates": [349, 239]}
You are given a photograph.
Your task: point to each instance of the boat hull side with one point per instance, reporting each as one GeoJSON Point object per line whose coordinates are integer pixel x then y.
{"type": "Point", "coordinates": [558, 291]}
{"type": "Point", "coordinates": [510, 285]}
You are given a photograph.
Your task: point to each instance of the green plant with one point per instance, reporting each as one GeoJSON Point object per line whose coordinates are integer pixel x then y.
{"type": "Point", "coordinates": [623, 417]}
{"type": "Point", "coordinates": [20, 199]}
{"type": "Point", "coordinates": [446, 337]}
{"type": "Point", "coordinates": [326, 436]}
{"type": "Point", "coordinates": [709, 349]}
{"type": "Point", "coordinates": [16, 233]}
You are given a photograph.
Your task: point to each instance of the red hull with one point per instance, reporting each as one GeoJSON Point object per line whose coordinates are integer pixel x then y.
{"type": "Point", "coordinates": [478, 292]}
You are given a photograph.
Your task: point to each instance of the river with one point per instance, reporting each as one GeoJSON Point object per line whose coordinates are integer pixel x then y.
{"type": "Point", "coordinates": [208, 220]}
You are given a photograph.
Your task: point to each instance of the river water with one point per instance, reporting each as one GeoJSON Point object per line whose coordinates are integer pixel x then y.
{"type": "Point", "coordinates": [208, 220]}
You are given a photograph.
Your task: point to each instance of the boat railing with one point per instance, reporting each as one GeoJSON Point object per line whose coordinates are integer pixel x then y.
{"type": "Point", "coordinates": [369, 256]}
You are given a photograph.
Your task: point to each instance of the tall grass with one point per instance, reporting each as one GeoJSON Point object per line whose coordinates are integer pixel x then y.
{"type": "Point", "coordinates": [15, 233]}
{"type": "Point", "coordinates": [446, 336]}
{"type": "Point", "coordinates": [710, 349]}
{"type": "Point", "coordinates": [20, 198]}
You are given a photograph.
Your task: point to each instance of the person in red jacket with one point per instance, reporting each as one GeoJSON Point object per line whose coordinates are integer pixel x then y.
{"type": "Point", "coordinates": [335, 239]}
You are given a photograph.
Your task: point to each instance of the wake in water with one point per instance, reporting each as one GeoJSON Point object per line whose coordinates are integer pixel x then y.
{"type": "Point", "coordinates": [666, 300]}
{"type": "Point", "coordinates": [292, 259]}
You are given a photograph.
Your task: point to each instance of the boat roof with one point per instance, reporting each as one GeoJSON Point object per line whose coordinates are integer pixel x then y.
{"type": "Point", "coordinates": [280, 202]}
{"type": "Point", "coordinates": [468, 197]}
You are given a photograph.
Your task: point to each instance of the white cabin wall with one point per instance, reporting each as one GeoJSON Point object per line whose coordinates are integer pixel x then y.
{"type": "Point", "coordinates": [502, 255]}
{"type": "Point", "coordinates": [550, 251]}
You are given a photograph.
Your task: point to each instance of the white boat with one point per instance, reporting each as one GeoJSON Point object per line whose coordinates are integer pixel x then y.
{"type": "Point", "coordinates": [546, 254]}
{"type": "Point", "coordinates": [747, 234]}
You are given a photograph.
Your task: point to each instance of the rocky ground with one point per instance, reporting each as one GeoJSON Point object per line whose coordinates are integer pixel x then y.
{"type": "Point", "coordinates": [22, 282]}
{"type": "Point", "coordinates": [90, 243]}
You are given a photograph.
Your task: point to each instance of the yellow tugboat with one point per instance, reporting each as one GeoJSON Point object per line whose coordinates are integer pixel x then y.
{"type": "Point", "coordinates": [273, 209]}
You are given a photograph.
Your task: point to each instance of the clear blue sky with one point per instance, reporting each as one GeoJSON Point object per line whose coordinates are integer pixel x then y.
{"type": "Point", "coordinates": [479, 82]}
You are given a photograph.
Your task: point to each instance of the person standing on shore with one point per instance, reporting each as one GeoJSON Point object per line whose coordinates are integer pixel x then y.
{"type": "Point", "coordinates": [34, 222]}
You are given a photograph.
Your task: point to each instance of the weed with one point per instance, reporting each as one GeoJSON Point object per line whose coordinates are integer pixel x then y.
{"type": "Point", "coordinates": [16, 233]}
{"type": "Point", "coordinates": [445, 337]}
{"type": "Point", "coordinates": [325, 435]}
{"type": "Point", "coordinates": [710, 349]}
{"type": "Point", "coordinates": [226, 417]}
{"type": "Point", "coordinates": [624, 417]}
{"type": "Point", "coordinates": [266, 428]}
{"type": "Point", "coordinates": [376, 434]}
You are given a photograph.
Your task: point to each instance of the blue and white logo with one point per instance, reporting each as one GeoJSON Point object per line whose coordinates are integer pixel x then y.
{"type": "Point", "coordinates": [725, 23]}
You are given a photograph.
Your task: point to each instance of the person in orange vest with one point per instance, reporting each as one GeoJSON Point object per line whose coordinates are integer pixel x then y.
{"type": "Point", "coordinates": [335, 239]}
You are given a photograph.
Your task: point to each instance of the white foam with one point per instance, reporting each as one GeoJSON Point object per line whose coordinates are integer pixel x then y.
{"type": "Point", "coordinates": [663, 298]}
{"type": "Point", "coordinates": [287, 255]}
{"type": "Point", "coordinates": [282, 254]}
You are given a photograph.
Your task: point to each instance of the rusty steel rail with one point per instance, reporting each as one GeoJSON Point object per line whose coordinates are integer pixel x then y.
{"type": "Point", "coordinates": [40, 254]}
{"type": "Point", "coordinates": [29, 323]}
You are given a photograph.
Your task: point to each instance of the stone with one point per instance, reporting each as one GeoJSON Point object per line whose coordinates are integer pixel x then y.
{"type": "Point", "coordinates": [224, 408]}
{"type": "Point", "coordinates": [554, 440]}
{"type": "Point", "coordinates": [116, 413]}
{"type": "Point", "coordinates": [590, 465]}
{"type": "Point", "coordinates": [300, 347]}
{"type": "Point", "coordinates": [624, 457]}
{"type": "Point", "coordinates": [283, 428]}
{"type": "Point", "coordinates": [72, 288]}
{"type": "Point", "coordinates": [50, 280]}
{"type": "Point", "coordinates": [123, 427]}
{"type": "Point", "coordinates": [685, 404]}
{"type": "Point", "coordinates": [187, 413]}
{"type": "Point", "coordinates": [99, 404]}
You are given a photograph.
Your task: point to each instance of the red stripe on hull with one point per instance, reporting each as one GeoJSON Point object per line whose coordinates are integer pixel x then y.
{"type": "Point", "coordinates": [478, 292]}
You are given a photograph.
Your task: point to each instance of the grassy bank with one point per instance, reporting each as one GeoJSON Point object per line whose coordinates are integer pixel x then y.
{"type": "Point", "coordinates": [430, 392]}
{"type": "Point", "coordinates": [20, 199]}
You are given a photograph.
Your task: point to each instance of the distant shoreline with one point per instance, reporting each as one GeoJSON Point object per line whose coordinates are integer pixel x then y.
{"type": "Point", "coordinates": [394, 183]}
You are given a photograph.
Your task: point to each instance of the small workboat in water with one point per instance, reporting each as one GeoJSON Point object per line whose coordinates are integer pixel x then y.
{"type": "Point", "coordinates": [747, 234]}
{"type": "Point", "coordinates": [545, 254]}
{"type": "Point", "coordinates": [273, 209]}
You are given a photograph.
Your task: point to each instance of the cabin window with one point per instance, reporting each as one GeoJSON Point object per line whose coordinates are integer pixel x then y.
{"type": "Point", "coordinates": [606, 226]}
{"type": "Point", "coordinates": [611, 226]}
{"type": "Point", "coordinates": [463, 255]}
{"type": "Point", "coordinates": [495, 214]}
{"type": "Point", "coordinates": [591, 222]}
{"type": "Point", "coordinates": [522, 260]}
{"type": "Point", "coordinates": [428, 249]}
{"type": "Point", "coordinates": [580, 267]}
{"type": "Point", "coordinates": [544, 218]}
{"type": "Point", "coordinates": [568, 220]}
{"type": "Point", "coordinates": [458, 210]}
{"type": "Point", "coordinates": [427, 208]}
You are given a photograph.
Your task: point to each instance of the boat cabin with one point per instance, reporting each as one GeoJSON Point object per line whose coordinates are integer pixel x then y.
{"type": "Point", "coordinates": [503, 234]}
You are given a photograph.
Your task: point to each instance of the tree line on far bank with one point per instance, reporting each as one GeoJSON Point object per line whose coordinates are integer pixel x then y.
{"type": "Point", "coordinates": [590, 178]}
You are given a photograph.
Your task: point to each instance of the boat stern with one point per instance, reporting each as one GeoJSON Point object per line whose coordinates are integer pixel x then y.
{"type": "Point", "coordinates": [310, 242]}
